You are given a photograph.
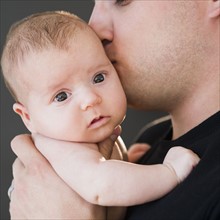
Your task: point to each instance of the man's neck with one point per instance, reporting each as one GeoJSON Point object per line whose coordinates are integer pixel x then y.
{"type": "Point", "coordinates": [195, 109]}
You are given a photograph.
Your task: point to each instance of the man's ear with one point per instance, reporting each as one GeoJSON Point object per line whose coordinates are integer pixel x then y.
{"type": "Point", "coordinates": [23, 113]}
{"type": "Point", "coordinates": [214, 8]}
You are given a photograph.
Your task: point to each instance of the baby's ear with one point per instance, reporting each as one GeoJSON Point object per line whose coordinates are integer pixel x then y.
{"type": "Point", "coordinates": [23, 113]}
{"type": "Point", "coordinates": [214, 9]}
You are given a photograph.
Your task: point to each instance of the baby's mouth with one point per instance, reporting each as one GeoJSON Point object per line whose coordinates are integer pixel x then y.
{"type": "Point", "coordinates": [96, 119]}
{"type": "Point", "coordinates": [99, 121]}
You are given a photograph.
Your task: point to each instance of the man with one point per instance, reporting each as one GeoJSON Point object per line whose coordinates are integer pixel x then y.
{"type": "Point", "coordinates": [167, 56]}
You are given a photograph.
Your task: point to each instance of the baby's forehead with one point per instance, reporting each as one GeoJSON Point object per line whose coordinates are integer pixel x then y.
{"type": "Point", "coordinates": [32, 36]}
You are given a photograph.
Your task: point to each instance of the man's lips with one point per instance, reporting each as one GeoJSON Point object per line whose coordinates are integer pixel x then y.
{"type": "Point", "coordinates": [114, 63]}
{"type": "Point", "coordinates": [110, 52]}
{"type": "Point", "coordinates": [98, 121]}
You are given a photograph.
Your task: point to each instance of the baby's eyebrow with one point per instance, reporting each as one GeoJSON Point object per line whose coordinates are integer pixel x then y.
{"type": "Point", "coordinates": [60, 79]}
{"type": "Point", "coordinates": [99, 67]}
{"type": "Point", "coordinates": [50, 88]}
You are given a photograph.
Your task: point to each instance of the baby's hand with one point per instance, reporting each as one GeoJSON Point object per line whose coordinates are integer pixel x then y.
{"type": "Point", "coordinates": [182, 161]}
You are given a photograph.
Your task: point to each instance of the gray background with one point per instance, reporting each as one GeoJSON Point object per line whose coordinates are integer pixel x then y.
{"type": "Point", "coordinates": [11, 124]}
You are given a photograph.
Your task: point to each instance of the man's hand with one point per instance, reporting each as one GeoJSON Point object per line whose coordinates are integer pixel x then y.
{"type": "Point", "coordinates": [136, 151]}
{"type": "Point", "coordinates": [38, 192]}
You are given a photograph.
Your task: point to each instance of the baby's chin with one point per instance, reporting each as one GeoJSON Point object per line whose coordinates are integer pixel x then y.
{"type": "Point", "coordinates": [93, 137]}
{"type": "Point", "coordinates": [98, 137]}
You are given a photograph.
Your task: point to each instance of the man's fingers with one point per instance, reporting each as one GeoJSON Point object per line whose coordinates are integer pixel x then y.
{"type": "Point", "coordinates": [106, 146]}
{"type": "Point", "coordinates": [136, 151]}
{"type": "Point", "coordinates": [23, 147]}
{"type": "Point", "coordinates": [116, 133]}
{"type": "Point", "coordinates": [17, 167]}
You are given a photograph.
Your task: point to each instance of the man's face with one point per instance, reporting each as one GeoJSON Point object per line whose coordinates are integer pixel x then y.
{"type": "Point", "coordinates": [153, 46]}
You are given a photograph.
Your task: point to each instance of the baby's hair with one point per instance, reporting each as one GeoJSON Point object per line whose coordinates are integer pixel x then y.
{"type": "Point", "coordinates": [36, 33]}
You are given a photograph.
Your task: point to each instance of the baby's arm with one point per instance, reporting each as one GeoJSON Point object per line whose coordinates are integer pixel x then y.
{"type": "Point", "coordinates": [113, 182]}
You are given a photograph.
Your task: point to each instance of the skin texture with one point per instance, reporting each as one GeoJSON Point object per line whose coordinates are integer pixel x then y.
{"type": "Point", "coordinates": [167, 56]}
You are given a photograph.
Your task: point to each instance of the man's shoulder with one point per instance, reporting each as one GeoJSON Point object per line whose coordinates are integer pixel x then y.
{"type": "Point", "coordinates": [154, 130]}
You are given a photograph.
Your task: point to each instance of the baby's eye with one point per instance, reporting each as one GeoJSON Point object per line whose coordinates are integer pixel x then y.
{"type": "Point", "coordinates": [122, 2]}
{"type": "Point", "coordinates": [99, 78]}
{"type": "Point", "coordinates": [62, 96]}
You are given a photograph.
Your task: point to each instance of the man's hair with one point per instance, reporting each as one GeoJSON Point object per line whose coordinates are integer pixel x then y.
{"type": "Point", "coordinates": [34, 34]}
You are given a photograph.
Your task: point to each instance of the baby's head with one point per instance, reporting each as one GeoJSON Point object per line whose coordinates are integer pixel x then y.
{"type": "Point", "coordinates": [33, 34]}
{"type": "Point", "coordinates": [56, 69]}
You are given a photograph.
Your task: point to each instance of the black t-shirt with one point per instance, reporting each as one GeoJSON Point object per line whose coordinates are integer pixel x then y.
{"type": "Point", "coordinates": [198, 196]}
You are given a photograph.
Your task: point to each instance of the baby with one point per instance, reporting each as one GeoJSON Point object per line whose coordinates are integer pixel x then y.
{"type": "Point", "coordinates": [67, 91]}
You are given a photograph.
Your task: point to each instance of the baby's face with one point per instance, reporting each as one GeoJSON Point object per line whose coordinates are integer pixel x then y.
{"type": "Point", "coordinates": [74, 95]}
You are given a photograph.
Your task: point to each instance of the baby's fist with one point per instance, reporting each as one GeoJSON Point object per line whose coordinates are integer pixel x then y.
{"type": "Point", "coordinates": [182, 161]}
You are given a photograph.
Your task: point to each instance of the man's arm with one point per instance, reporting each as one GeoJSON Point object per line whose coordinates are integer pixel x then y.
{"type": "Point", "coordinates": [38, 192]}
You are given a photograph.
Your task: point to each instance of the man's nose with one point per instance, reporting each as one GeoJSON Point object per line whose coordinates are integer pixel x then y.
{"type": "Point", "coordinates": [89, 99]}
{"type": "Point", "coordinates": [101, 21]}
